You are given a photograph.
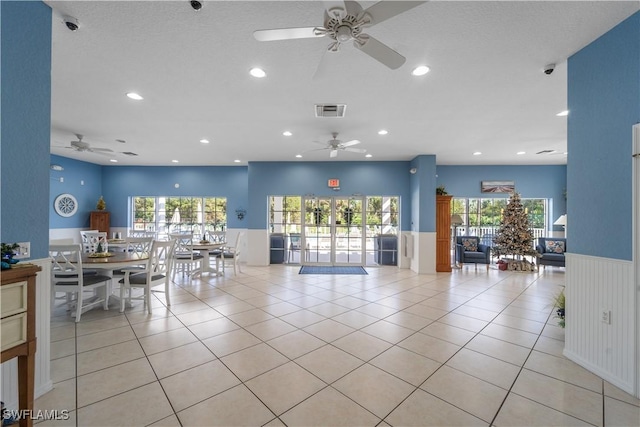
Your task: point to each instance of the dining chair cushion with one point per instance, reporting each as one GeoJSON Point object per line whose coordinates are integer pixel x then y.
{"type": "Point", "coordinates": [85, 273]}
{"type": "Point", "coordinates": [88, 280]}
{"type": "Point", "coordinates": [189, 256]}
{"type": "Point", "coordinates": [141, 278]}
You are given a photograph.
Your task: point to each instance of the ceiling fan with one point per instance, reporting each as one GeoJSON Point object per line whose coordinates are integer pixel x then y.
{"type": "Point", "coordinates": [345, 21]}
{"type": "Point", "coordinates": [336, 145]}
{"type": "Point", "coordinates": [81, 146]}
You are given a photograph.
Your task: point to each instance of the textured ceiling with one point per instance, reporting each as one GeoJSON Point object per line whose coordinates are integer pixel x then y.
{"type": "Point", "coordinates": [486, 90]}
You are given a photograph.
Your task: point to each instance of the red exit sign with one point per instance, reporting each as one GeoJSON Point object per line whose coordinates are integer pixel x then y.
{"type": "Point", "coordinates": [333, 183]}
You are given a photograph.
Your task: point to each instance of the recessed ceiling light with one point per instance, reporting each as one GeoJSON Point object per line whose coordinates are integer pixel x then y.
{"type": "Point", "coordinates": [420, 70]}
{"type": "Point", "coordinates": [368, 156]}
{"type": "Point", "coordinates": [135, 96]}
{"type": "Point", "coordinates": [204, 141]}
{"type": "Point", "coordinates": [236, 161]}
{"type": "Point", "coordinates": [519, 153]}
{"type": "Point", "coordinates": [383, 132]}
{"type": "Point", "coordinates": [257, 72]}
{"type": "Point", "coordinates": [113, 161]}
{"type": "Point", "coordinates": [174, 161]}
{"type": "Point", "coordinates": [287, 133]}
{"type": "Point", "coordinates": [298, 156]}
{"type": "Point", "coordinates": [477, 153]}
{"type": "Point", "coordinates": [563, 113]}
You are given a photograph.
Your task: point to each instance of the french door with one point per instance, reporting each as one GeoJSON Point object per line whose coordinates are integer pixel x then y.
{"type": "Point", "coordinates": [332, 231]}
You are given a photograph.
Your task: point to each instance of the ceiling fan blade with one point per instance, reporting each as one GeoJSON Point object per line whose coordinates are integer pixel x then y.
{"type": "Point", "coordinates": [286, 34]}
{"type": "Point", "coordinates": [350, 143]}
{"type": "Point", "coordinates": [355, 150]}
{"type": "Point", "coordinates": [353, 8]}
{"type": "Point", "coordinates": [106, 150]}
{"type": "Point", "coordinates": [334, 153]}
{"type": "Point", "coordinates": [384, 10]}
{"type": "Point", "coordinates": [379, 51]}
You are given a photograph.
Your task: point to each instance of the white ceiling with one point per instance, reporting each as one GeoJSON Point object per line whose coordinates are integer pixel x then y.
{"type": "Point", "coordinates": [486, 90]}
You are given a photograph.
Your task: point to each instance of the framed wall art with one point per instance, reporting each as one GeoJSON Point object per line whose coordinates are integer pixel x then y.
{"type": "Point", "coordinates": [497, 186]}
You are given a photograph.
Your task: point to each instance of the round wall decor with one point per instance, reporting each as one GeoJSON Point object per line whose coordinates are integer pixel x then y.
{"type": "Point", "coordinates": [65, 205]}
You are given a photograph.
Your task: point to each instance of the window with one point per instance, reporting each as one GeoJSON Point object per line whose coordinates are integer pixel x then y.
{"type": "Point", "coordinates": [164, 215]}
{"type": "Point", "coordinates": [285, 214]}
{"type": "Point", "coordinates": [481, 217]}
{"type": "Point", "coordinates": [382, 215]}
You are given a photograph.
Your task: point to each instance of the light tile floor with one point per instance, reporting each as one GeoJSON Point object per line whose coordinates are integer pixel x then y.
{"type": "Point", "coordinates": [272, 347]}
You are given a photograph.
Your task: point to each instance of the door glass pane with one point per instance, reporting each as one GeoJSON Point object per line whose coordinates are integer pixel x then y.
{"type": "Point", "coordinates": [349, 229]}
{"type": "Point", "coordinates": [317, 230]}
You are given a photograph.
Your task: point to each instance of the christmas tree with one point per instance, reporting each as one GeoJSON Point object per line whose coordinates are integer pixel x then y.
{"type": "Point", "coordinates": [514, 237]}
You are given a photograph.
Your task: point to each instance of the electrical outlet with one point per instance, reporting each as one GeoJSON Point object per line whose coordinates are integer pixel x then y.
{"type": "Point", "coordinates": [24, 251]}
{"type": "Point", "coordinates": [606, 317]}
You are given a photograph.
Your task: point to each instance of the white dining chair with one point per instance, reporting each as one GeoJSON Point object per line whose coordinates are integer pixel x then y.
{"type": "Point", "coordinates": [138, 244]}
{"type": "Point", "coordinates": [186, 259]}
{"type": "Point", "coordinates": [85, 240]}
{"type": "Point", "coordinates": [67, 276]}
{"type": "Point", "coordinates": [93, 240]}
{"type": "Point", "coordinates": [216, 237]}
{"type": "Point", "coordinates": [156, 271]}
{"type": "Point", "coordinates": [231, 254]}
{"type": "Point", "coordinates": [137, 233]}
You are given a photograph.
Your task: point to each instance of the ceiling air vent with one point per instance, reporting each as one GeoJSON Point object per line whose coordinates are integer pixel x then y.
{"type": "Point", "coordinates": [330, 110]}
{"type": "Point", "coordinates": [545, 152]}
{"type": "Point", "coordinates": [129, 153]}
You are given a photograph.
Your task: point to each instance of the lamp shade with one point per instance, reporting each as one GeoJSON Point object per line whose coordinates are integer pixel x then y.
{"type": "Point", "coordinates": [456, 220]}
{"type": "Point", "coordinates": [561, 221]}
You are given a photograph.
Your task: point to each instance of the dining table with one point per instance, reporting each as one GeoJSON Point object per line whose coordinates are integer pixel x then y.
{"type": "Point", "coordinates": [108, 262]}
{"type": "Point", "coordinates": [204, 248]}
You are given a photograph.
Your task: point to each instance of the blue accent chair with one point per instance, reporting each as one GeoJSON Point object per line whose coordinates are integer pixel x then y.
{"type": "Point", "coordinates": [470, 250]}
{"type": "Point", "coordinates": [551, 251]}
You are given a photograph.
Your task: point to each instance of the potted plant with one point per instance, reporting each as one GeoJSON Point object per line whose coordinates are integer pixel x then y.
{"type": "Point", "coordinates": [8, 252]}
{"type": "Point", "coordinates": [440, 191]}
{"type": "Point", "coordinates": [558, 302]}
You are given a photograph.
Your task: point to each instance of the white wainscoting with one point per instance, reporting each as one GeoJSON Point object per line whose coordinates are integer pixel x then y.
{"type": "Point", "coordinates": [257, 247]}
{"type": "Point", "coordinates": [594, 285]}
{"type": "Point", "coordinates": [424, 253]}
{"type": "Point", "coordinates": [9, 369]}
{"type": "Point", "coordinates": [65, 233]}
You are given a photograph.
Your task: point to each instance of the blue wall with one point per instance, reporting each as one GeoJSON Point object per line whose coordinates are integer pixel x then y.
{"type": "Point", "coordinates": [300, 178]}
{"type": "Point", "coordinates": [604, 104]}
{"type": "Point", "coordinates": [249, 187]}
{"type": "Point", "coordinates": [544, 182]}
{"type": "Point", "coordinates": [80, 179]}
{"type": "Point", "coordinates": [26, 111]}
{"type": "Point", "coordinates": [423, 194]}
{"type": "Point", "coordinates": [119, 183]}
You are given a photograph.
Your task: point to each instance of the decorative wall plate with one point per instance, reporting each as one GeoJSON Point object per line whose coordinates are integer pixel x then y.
{"type": "Point", "coordinates": [65, 205]}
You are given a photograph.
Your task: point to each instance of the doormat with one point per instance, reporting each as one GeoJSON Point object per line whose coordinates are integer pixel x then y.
{"type": "Point", "coordinates": [306, 269]}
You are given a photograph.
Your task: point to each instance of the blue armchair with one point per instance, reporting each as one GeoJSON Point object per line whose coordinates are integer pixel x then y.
{"type": "Point", "coordinates": [470, 250]}
{"type": "Point", "coordinates": [551, 251]}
